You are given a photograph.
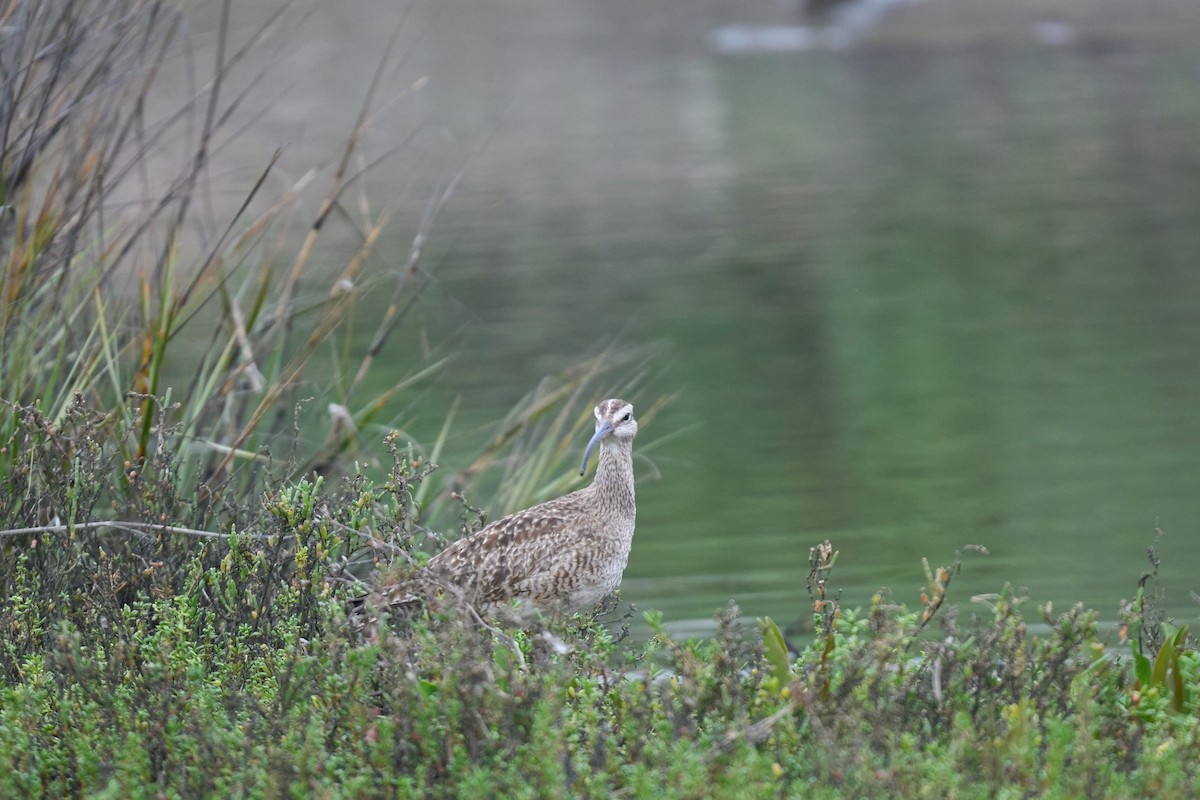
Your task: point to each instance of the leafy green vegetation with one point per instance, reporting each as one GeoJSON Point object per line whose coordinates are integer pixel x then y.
{"type": "Point", "coordinates": [153, 661]}
{"type": "Point", "coordinates": [177, 561]}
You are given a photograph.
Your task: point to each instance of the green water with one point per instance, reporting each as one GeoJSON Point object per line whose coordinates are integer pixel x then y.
{"type": "Point", "coordinates": [909, 297]}
{"type": "Point", "coordinates": [925, 300]}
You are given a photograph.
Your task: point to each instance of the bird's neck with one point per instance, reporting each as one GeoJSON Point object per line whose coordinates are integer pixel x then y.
{"type": "Point", "coordinates": [614, 475]}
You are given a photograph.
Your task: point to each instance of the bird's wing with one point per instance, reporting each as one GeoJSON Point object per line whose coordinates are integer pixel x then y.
{"type": "Point", "coordinates": [499, 562]}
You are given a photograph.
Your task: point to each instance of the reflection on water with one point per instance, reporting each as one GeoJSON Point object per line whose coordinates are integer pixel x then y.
{"type": "Point", "coordinates": [833, 24]}
{"type": "Point", "coordinates": [916, 294]}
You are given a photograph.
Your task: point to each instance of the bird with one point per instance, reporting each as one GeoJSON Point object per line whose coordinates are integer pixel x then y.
{"type": "Point", "coordinates": [561, 556]}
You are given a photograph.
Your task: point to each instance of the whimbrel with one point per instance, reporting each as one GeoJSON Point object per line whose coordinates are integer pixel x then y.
{"type": "Point", "coordinates": [566, 554]}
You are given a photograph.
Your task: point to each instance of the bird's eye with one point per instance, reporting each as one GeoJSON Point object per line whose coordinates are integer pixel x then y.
{"type": "Point", "coordinates": [626, 417]}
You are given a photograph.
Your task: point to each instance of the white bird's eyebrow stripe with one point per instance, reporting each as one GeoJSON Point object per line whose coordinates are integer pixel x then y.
{"type": "Point", "coordinates": [609, 409]}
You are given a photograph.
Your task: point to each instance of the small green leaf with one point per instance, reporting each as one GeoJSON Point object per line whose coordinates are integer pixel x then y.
{"type": "Point", "coordinates": [1178, 694]}
{"type": "Point", "coordinates": [1162, 662]}
{"type": "Point", "coordinates": [1175, 674]}
{"type": "Point", "coordinates": [830, 646]}
{"type": "Point", "coordinates": [775, 650]}
{"type": "Point", "coordinates": [1141, 667]}
{"type": "Point", "coordinates": [1180, 638]}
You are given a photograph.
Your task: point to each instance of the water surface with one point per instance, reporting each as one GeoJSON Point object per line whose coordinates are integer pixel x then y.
{"type": "Point", "coordinates": [936, 287]}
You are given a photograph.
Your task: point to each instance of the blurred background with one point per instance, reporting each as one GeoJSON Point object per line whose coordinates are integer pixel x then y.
{"type": "Point", "coordinates": [918, 275]}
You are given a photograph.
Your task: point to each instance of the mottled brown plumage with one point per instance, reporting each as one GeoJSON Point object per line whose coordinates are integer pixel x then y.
{"type": "Point", "coordinates": [566, 554]}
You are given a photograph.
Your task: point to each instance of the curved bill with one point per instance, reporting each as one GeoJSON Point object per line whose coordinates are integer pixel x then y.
{"type": "Point", "coordinates": [602, 430]}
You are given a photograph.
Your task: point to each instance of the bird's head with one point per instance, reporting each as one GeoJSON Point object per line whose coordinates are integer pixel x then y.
{"type": "Point", "coordinates": [614, 419]}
